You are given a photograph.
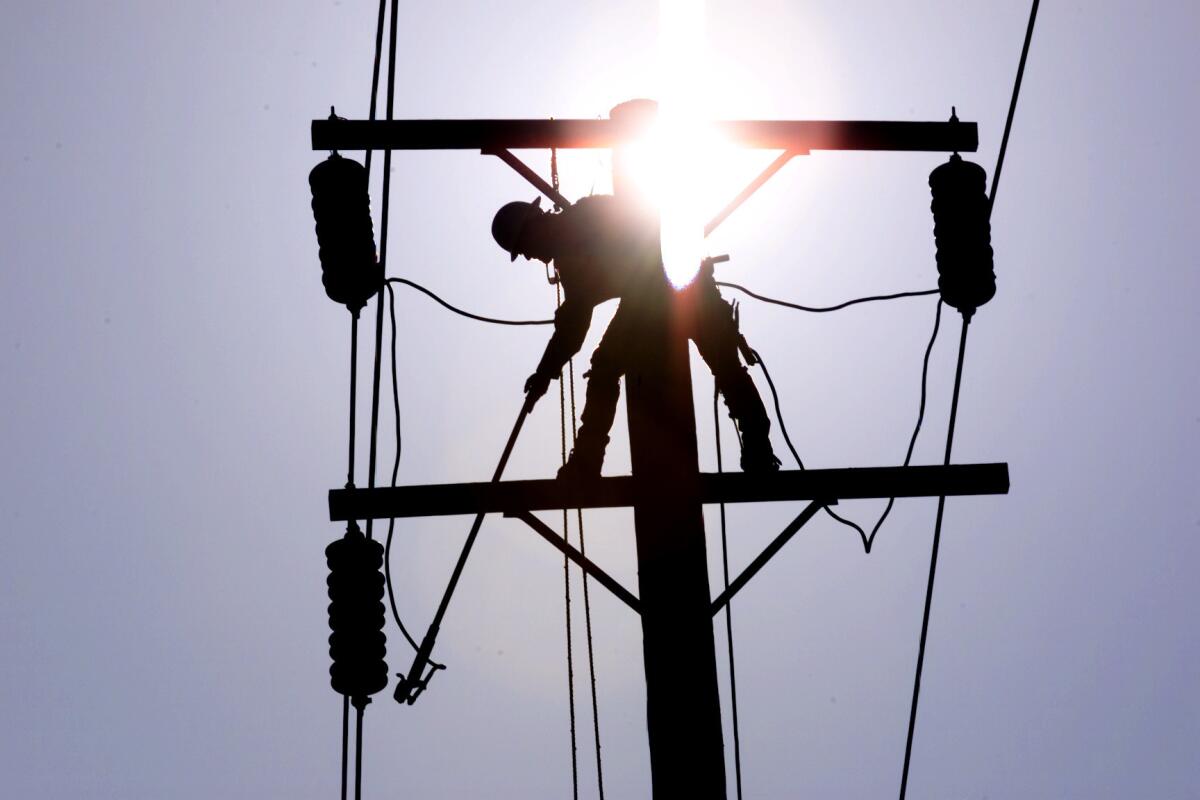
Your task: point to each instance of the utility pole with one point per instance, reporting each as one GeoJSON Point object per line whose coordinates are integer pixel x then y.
{"type": "Point", "coordinates": [683, 706]}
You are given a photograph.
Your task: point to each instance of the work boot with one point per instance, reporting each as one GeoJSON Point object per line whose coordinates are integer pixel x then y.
{"type": "Point", "coordinates": [584, 462]}
{"type": "Point", "coordinates": [757, 455]}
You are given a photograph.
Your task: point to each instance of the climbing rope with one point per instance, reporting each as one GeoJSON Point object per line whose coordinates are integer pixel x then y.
{"type": "Point", "coordinates": [587, 604]}
{"type": "Point", "coordinates": [733, 704]}
{"type": "Point", "coordinates": [587, 607]}
{"type": "Point", "coordinates": [562, 430]}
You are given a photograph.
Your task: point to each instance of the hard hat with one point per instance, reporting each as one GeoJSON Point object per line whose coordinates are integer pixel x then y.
{"type": "Point", "coordinates": [510, 221]}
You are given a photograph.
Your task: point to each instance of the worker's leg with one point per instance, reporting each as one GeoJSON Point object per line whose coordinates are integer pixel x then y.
{"type": "Point", "coordinates": [600, 403]}
{"type": "Point", "coordinates": [716, 336]}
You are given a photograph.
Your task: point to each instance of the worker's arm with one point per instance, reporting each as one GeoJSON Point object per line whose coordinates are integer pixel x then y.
{"type": "Point", "coordinates": [571, 323]}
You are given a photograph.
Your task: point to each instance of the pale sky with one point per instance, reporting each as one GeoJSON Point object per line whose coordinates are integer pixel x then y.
{"type": "Point", "coordinates": [175, 385]}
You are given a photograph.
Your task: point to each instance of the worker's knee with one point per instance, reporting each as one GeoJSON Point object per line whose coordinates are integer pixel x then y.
{"type": "Point", "coordinates": [604, 369]}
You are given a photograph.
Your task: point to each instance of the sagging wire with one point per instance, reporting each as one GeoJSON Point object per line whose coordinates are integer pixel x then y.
{"type": "Point", "coordinates": [468, 314]}
{"type": "Point", "coordinates": [912, 442]}
{"type": "Point", "coordinates": [562, 430]}
{"type": "Point", "coordinates": [587, 607]}
{"type": "Point", "coordinates": [825, 309]}
{"type": "Point", "coordinates": [867, 539]}
{"type": "Point", "coordinates": [756, 296]}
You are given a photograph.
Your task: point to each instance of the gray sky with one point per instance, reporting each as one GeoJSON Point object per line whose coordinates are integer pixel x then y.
{"type": "Point", "coordinates": [174, 403]}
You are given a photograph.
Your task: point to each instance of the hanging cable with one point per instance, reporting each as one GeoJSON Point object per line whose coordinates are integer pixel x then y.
{"type": "Point", "coordinates": [912, 442]}
{"type": "Point", "coordinates": [867, 539]}
{"type": "Point", "coordinates": [862, 535]}
{"type": "Point", "coordinates": [468, 314]}
{"type": "Point", "coordinates": [788, 439]}
{"type": "Point", "coordinates": [353, 397]}
{"type": "Point", "coordinates": [962, 346]}
{"type": "Point", "coordinates": [387, 548]}
{"type": "Point", "coordinates": [737, 742]}
{"type": "Point", "coordinates": [562, 430]}
{"type": "Point", "coordinates": [354, 378]}
{"type": "Point", "coordinates": [383, 253]}
{"type": "Point", "coordinates": [362, 698]}
{"type": "Point", "coordinates": [587, 607]}
{"type": "Point", "coordinates": [587, 602]}
{"type": "Point", "coordinates": [411, 686]}
{"type": "Point", "coordinates": [825, 309]}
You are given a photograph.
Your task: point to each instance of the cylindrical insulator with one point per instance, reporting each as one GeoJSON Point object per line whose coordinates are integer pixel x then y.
{"type": "Point", "coordinates": [341, 206]}
{"type": "Point", "coordinates": [962, 232]}
{"type": "Point", "coordinates": [357, 644]}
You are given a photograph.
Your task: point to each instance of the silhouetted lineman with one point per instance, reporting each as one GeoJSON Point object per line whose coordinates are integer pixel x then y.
{"type": "Point", "coordinates": [604, 249]}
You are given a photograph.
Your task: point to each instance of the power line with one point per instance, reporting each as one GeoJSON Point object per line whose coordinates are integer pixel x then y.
{"type": "Point", "coordinates": [825, 309]}
{"type": "Point", "coordinates": [867, 539]}
{"type": "Point", "coordinates": [737, 739]}
{"type": "Point", "coordinates": [962, 346]}
{"type": "Point", "coordinates": [354, 372]}
{"type": "Point", "coordinates": [813, 309]}
{"type": "Point", "coordinates": [468, 314]}
{"type": "Point", "coordinates": [387, 548]}
{"type": "Point", "coordinates": [912, 442]}
{"type": "Point", "coordinates": [1012, 105]}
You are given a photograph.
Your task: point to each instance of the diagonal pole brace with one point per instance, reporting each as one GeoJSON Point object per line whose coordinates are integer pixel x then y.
{"type": "Point", "coordinates": [752, 187]}
{"type": "Point", "coordinates": [770, 550]}
{"type": "Point", "coordinates": [586, 564]}
{"type": "Point", "coordinates": [528, 174]}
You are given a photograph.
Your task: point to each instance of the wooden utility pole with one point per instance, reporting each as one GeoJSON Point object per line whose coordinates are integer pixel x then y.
{"type": "Point", "coordinates": [683, 705]}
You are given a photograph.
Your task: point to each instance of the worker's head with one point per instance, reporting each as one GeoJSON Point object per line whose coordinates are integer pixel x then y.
{"type": "Point", "coordinates": [518, 228]}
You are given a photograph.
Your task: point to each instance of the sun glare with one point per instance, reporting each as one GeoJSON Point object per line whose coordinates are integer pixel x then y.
{"type": "Point", "coordinates": [677, 143]}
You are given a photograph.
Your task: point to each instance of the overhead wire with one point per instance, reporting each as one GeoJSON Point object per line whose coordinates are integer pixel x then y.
{"type": "Point", "coordinates": [354, 377]}
{"type": "Point", "coordinates": [912, 442]}
{"type": "Point", "coordinates": [867, 539]}
{"type": "Point", "coordinates": [468, 314]}
{"type": "Point", "coordinates": [562, 430]}
{"type": "Point", "coordinates": [788, 440]}
{"type": "Point", "coordinates": [587, 608]}
{"type": "Point", "coordinates": [360, 702]}
{"type": "Point", "coordinates": [387, 548]}
{"type": "Point", "coordinates": [587, 604]}
{"type": "Point", "coordinates": [962, 346]}
{"type": "Point", "coordinates": [519, 322]}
